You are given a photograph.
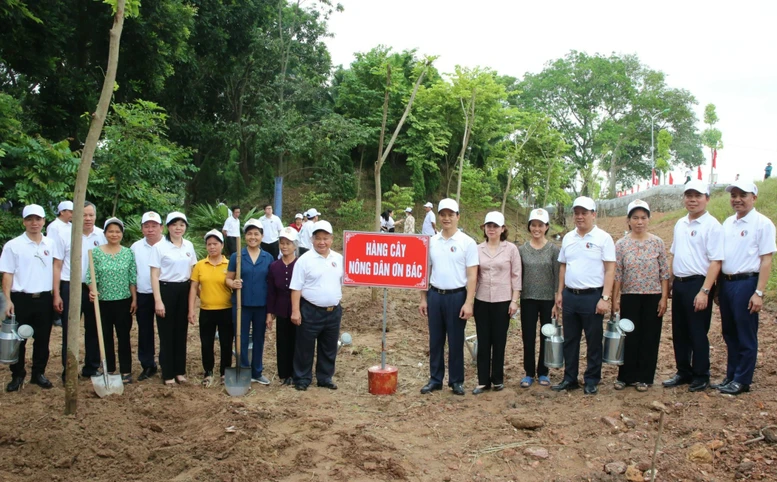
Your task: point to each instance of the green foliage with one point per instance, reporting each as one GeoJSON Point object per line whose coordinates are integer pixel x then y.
{"type": "Point", "coordinates": [10, 226]}
{"type": "Point", "coordinates": [478, 190]}
{"type": "Point", "coordinates": [352, 214]}
{"type": "Point", "coordinates": [131, 7]}
{"type": "Point", "coordinates": [316, 200]}
{"type": "Point", "coordinates": [204, 217]}
{"type": "Point", "coordinates": [398, 198]}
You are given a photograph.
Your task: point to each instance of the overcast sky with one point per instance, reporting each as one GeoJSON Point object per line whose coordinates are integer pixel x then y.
{"type": "Point", "coordinates": [724, 53]}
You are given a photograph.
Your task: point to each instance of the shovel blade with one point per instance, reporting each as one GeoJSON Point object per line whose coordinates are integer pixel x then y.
{"type": "Point", "coordinates": [105, 385]}
{"type": "Point", "coordinates": [237, 381]}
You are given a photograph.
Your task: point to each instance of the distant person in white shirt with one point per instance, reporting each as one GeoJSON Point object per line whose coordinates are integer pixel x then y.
{"type": "Point", "coordinates": [749, 245]}
{"type": "Point", "coordinates": [688, 176]}
{"type": "Point", "coordinates": [272, 228]}
{"type": "Point", "coordinates": [306, 233]}
{"type": "Point", "coordinates": [429, 226]}
{"type": "Point", "coordinates": [231, 229]}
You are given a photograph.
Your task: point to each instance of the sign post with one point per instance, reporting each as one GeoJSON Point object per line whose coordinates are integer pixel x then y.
{"type": "Point", "coordinates": [387, 261]}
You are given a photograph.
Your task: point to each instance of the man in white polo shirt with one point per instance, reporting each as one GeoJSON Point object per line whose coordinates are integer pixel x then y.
{"type": "Point", "coordinates": [272, 227]}
{"type": "Point", "coordinates": [306, 233]}
{"type": "Point", "coordinates": [698, 252]}
{"type": "Point", "coordinates": [749, 244]}
{"type": "Point", "coordinates": [26, 266]}
{"type": "Point", "coordinates": [429, 227]}
{"type": "Point", "coordinates": [63, 221]}
{"type": "Point", "coordinates": [586, 277]}
{"type": "Point", "coordinates": [151, 223]}
{"type": "Point", "coordinates": [231, 229]}
{"type": "Point", "coordinates": [316, 291]}
{"type": "Point", "coordinates": [450, 300]}
{"type": "Point", "coordinates": [92, 237]}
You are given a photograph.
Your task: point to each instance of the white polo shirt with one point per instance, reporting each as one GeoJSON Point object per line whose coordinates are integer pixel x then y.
{"type": "Point", "coordinates": [30, 263]}
{"type": "Point", "coordinates": [696, 243]}
{"type": "Point", "coordinates": [232, 227]}
{"type": "Point", "coordinates": [319, 279]}
{"type": "Point", "coordinates": [143, 253]}
{"type": "Point", "coordinates": [585, 257]}
{"type": "Point", "coordinates": [272, 227]}
{"type": "Point", "coordinates": [58, 228]}
{"type": "Point", "coordinates": [62, 252]}
{"type": "Point", "coordinates": [427, 228]}
{"type": "Point", "coordinates": [306, 235]}
{"type": "Point", "coordinates": [745, 240]}
{"type": "Point", "coordinates": [450, 258]}
{"type": "Point", "coordinates": [174, 263]}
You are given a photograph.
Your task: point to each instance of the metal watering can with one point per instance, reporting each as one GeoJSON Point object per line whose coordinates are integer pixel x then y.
{"type": "Point", "coordinates": [615, 339]}
{"type": "Point", "coordinates": [11, 337]}
{"type": "Point", "coordinates": [554, 344]}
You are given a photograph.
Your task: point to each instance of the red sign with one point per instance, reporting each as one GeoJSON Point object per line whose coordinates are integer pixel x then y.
{"type": "Point", "coordinates": [386, 260]}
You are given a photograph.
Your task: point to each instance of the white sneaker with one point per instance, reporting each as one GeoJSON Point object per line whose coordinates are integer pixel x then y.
{"type": "Point", "coordinates": [262, 380]}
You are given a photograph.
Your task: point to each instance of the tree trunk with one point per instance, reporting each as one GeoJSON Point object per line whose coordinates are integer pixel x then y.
{"type": "Point", "coordinates": [79, 196]}
{"type": "Point", "coordinates": [507, 190]}
{"type": "Point", "coordinates": [469, 120]}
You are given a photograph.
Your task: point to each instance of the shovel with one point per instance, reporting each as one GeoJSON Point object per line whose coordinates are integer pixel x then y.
{"type": "Point", "coordinates": [236, 381]}
{"type": "Point", "coordinates": [104, 384]}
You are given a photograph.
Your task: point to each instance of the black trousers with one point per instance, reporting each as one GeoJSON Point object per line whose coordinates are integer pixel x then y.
{"type": "Point", "coordinates": [91, 342]}
{"type": "Point", "coordinates": [116, 314]}
{"type": "Point", "coordinates": [37, 313]}
{"type": "Point", "coordinates": [231, 245]}
{"type": "Point", "coordinates": [322, 326]}
{"type": "Point", "coordinates": [145, 317]}
{"type": "Point", "coordinates": [444, 322]}
{"type": "Point", "coordinates": [491, 322]}
{"type": "Point", "coordinates": [285, 340]}
{"type": "Point", "coordinates": [531, 310]}
{"type": "Point", "coordinates": [210, 321]}
{"type": "Point", "coordinates": [579, 315]}
{"type": "Point", "coordinates": [173, 328]}
{"type": "Point", "coordinates": [689, 330]}
{"type": "Point", "coordinates": [640, 354]}
{"type": "Point", "coordinates": [272, 248]}
{"type": "Point", "coordinates": [740, 328]}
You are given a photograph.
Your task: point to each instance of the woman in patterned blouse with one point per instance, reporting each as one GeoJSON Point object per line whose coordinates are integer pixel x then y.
{"type": "Point", "coordinates": [116, 273]}
{"type": "Point", "coordinates": [641, 291]}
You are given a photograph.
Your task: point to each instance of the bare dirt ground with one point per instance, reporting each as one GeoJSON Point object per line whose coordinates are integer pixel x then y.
{"type": "Point", "coordinates": [190, 433]}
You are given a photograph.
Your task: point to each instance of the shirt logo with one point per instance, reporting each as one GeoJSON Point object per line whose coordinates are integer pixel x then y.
{"type": "Point", "coordinates": [334, 265]}
{"type": "Point", "coordinates": [453, 249]}
{"type": "Point", "coordinates": [693, 233]}
{"type": "Point", "coordinates": [743, 233]}
{"type": "Point", "coordinates": [45, 252]}
{"type": "Point", "coordinates": [188, 254]}
{"type": "Point", "coordinates": [96, 244]}
{"type": "Point", "coordinates": [589, 245]}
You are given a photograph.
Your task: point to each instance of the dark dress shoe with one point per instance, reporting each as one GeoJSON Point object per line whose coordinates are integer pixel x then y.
{"type": "Point", "coordinates": [734, 388]}
{"type": "Point", "coordinates": [458, 389]}
{"type": "Point", "coordinates": [565, 385]}
{"type": "Point", "coordinates": [498, 387]}
{"type": "Point", "coordinates": [698, 385]}
{"type": "Point", "coordinates": [15, 384]}
{"type": "Point", "coordinates": [300, 387]}
{"type": "Point", "coordinates": [590, 389]}
{"type": "Point", "coordinates": [479, 390]}
{"type": "Point", "coordinates": [287, 381]}
{"type": "Point", "coordinates": [676, 381]}
{"type": "Point", "coordinates": [718, 386]}
{"type": "Point", "coordinates": [41, 381]}
{"type": "Point", "coordinates": [147, 373]}
{"type": "Point", "coordinates": [330, 385]}
{"type": "Point", "coordinates": [431, 387]}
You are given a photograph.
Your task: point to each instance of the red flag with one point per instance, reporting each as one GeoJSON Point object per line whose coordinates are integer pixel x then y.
{"type": "Point", "coordinates": [632, 189]}
{"type": "Point", "coordinates": [671, 181]}
{"type": "Point", "coordinates": [714, 158]}
{"type": "Point", "coordinates": [654, 177]}
{"type": "Point", "coordinates": [699, 174]}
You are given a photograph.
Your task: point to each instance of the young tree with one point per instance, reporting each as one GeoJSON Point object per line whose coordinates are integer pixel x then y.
{"type": "Point", "coordinates": [711, 136]}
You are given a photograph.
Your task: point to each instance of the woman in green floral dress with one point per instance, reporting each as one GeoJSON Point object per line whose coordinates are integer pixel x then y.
{"type": "Point", "coordinates": [116, 273]}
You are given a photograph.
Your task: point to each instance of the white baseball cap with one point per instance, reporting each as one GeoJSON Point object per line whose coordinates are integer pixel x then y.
{"type": "Point", "coordinates": [312, 213]}
{"type": "Point", "coordinates": [215, 233]}
{"type": "Point", "coordinates": [253, 223]}
{"type": "Point", "coordinates": [745, 186]}
{"type": "Point", "coordinates": [33, 210]}
{"type": "Point", "coordinates": [175, 215]}
{"type": "Point", "coordinates": [448, 203]}
{"type": "Point", "coordinates": [494, 217]}
{"type": "Point", "coordinates": [540, 215]}
{"type": "Point", "coordinates": [698, 186]}
{"type": "Point", "coordinates": [115, 221]}
{"type": "Point", "coordinates": [151, 216]}
{"type": "Point", "coordinates": [584, 202]}
{"type": "Point", "coordinates": [298, 216]}
{"type": "Point", "coordinates": [408, 210]}
{"type": "Point", "coordinates": [637, 203]}
{"type": "Point", "coordinates": [65, 206]}
{"type": "Point", "coordinates": [289, 233]}
{"type": "Point", "coordinates": [322, 226]}
{"type": "Point", "coordinates": [428, 205]}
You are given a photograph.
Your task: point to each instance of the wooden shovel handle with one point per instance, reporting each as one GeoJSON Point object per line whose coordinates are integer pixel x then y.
{"type": "Point", "coordinates": [97, 316]}
{"type": "Point", "coordinates": [238, 275]}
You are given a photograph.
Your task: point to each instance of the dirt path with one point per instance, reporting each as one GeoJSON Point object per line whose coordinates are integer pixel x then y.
{"type": "Point", "coordinates": [189, 433]}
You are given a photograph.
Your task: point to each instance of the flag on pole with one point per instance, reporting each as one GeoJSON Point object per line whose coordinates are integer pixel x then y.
{"type": "Point", "coordinates": [699, 173]}
{"type": "Point", "coordinates": [671, 180]}
{"type": "Point", "coordinates": [714, 158]}
{"type": "Point", "coordinates": [632, 189]}
{"type": "Point", "coordinates": [654, 177]}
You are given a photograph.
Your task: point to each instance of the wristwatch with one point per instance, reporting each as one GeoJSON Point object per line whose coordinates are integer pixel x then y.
{"type": "Point", "coordinates": [759, 293]}
{"type": "Point", "coordinates": [705, 290]}
{"type": "Point", "coordinates": [605, 298]}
